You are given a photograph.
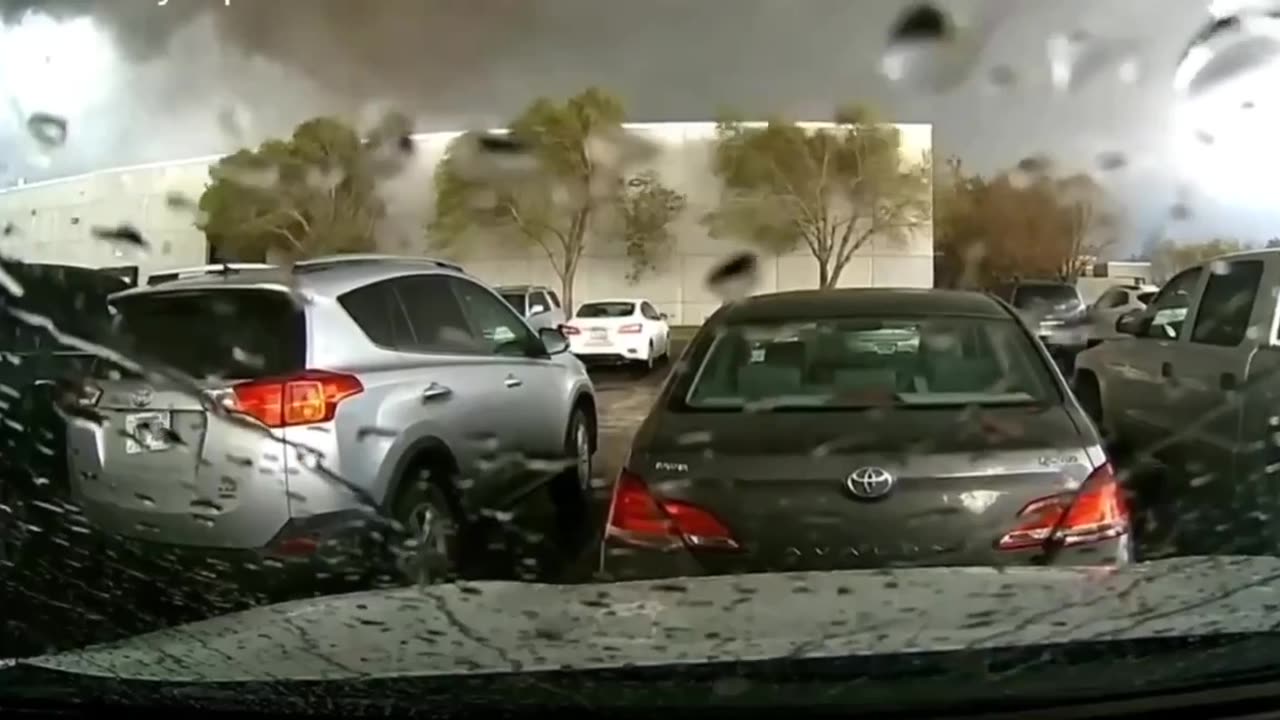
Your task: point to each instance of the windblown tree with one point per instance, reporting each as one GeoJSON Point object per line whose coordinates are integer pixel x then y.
{"type": "Point", "coordinates": [830, 189]}
{"type": "Point", "coordinates": [558, 167]}
{"type": "Point", "coordinates": [1170, 257]}
{"type": "Point", "coordinates": [990, 231]}
{"type": "Point", "coordinates": [646, 210]}
{"type": "Point", "coordinates": [311, 194]}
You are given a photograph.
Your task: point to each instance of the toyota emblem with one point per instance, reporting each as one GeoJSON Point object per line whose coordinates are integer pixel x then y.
{"type": "Point", "coordinates": [870, 483]}
{"type": "Point", "coordinates": [141, 397]}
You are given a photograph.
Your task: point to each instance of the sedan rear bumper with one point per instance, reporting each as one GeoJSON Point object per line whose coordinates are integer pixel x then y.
{"type": "Point", "coordinates": [620, 562]}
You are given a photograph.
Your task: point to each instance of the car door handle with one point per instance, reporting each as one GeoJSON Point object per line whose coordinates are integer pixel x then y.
{"type": "Point", "coordinates": [512, 381]}
{"type": "Point", "coordinates": [1227, 381]}
{"type": "Point", "coordinates": [435, 391]}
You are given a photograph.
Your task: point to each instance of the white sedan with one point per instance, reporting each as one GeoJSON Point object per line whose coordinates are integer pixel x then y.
{"type": "Point", "coordinates": [625, 330]}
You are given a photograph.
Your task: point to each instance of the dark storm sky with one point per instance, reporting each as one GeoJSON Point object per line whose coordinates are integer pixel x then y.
{"type": "Point", "coordinates": [463, 63]}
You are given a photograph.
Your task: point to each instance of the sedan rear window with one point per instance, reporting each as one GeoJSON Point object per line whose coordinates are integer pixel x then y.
{"type": "Point", "coordinates": [233, 334]}
{"type": "Point", "coordinates": [869, 363]}
{"type": "Point", "coordinates": [607, 310]}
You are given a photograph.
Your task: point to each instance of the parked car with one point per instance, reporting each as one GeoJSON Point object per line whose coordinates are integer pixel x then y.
{"type": "Point", "coordinates": [1054, 311]}
{"type": "Point", "coordinates": [1193, 386]}
{"type": "Point", "coordinates": [42, 375]}
{"type": "Point", "coordinates": [1110, 305]}
{"type": "Point", "coordinates": [619, 331]}
{"type": "Point", "coordinates": [785, 444]}
{"type": "Point", "coordinates": [309, 397]}
{"type": "Point", "coordinates": [539, 305]}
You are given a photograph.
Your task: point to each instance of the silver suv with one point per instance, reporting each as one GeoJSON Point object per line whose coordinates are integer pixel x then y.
{"type": "Point", "coordinates": [537, 304]}
{"type": "Point", "coordinates": [320, 391]}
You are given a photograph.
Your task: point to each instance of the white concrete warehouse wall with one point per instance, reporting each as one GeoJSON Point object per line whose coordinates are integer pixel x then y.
{"type": "Point", "coordinates": [51, 222]}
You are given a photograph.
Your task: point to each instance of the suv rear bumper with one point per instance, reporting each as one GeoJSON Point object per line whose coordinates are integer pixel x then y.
{"type": "Point", "coordinates": [322, 553]}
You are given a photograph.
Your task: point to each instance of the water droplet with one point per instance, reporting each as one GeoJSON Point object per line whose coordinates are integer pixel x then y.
{"type": "Point", "coordinates": [1002, 77]}
{"type": "Point", "coordinates": [1227, 48]}
{"type": "Point", "coordinates": [1112, 160]}
{"type": "Point", "coordinates": [234, 121]}
{"type": "Point", "coordinates": [145, 499]}
{"type": "Point", "coordinates": [1077, 58]}
{"type": "Point", "coordinates": [1129, 70]}
{"type": "Point", "coordinates": [735, 278]}
{"type": "Point", "coordinates": [48, 129]}
{"type": "Point", "coordinates": [926, 50]}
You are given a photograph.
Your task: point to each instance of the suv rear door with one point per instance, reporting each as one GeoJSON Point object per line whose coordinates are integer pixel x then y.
{"type": "Point", "coordinates": [162, 468]}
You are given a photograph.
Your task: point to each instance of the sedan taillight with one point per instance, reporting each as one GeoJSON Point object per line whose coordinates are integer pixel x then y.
{"type": "Point", "coordinates": [1095, 512]}
{"type": "Point", "coordinates": [638, 517]}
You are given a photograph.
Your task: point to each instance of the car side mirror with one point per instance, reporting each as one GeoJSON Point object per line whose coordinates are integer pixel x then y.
{"type": "Point", "coordinates": [553, 340]}
{"type": "Point", "coordinates": [663, 316]}
{"type": "Point", "coordinates": [1131, 323]}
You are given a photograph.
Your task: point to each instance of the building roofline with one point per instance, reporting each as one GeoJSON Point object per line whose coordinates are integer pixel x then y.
{"type": "Point", "coordinates": [421, 137]}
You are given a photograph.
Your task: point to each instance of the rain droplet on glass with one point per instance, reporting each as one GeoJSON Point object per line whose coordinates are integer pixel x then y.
{"type": "Point", "coordinates": [48, 129]}
{"type": "Point", "coordinates": [1227, 48]}
{"type": "Point", "coordinates": [926, 51]}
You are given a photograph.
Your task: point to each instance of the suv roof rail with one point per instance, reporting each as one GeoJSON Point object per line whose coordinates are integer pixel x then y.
{"type": "Point", "coordinates": [375, 257]}
{"type": "Point", "coordinates": [164, 276]}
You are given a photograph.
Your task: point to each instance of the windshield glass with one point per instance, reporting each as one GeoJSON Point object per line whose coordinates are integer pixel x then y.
{"type": "Point", "coordinates": [607, 310]}
{"type": "Point", "coordinates": [681, 350]}
{"type": "Point", "coordinates": [854, 363]}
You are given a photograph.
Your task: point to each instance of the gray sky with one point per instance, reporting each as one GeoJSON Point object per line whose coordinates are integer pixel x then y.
{"type": "Point", "coordinates": [154, 80]}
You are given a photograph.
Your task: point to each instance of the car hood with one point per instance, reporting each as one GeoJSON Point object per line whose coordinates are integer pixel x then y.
{"type": "Point", "coordinates": [495, 627]}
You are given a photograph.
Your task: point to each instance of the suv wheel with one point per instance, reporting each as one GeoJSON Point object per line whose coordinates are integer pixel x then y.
{"type": "Point", "coordinates": [431, 551]}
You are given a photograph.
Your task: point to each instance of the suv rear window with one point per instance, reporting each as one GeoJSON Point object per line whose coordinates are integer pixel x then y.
{"type": "Point", "coordinates": [232, 334]}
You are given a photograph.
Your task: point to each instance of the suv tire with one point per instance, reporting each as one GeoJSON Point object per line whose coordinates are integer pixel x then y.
{"type": "Point", "coordinates": [432, 548]}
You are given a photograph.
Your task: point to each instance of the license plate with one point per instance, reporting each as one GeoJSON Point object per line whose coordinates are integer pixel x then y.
{"type": "Point", "coordinates": [146, 432]}
{"type": "Point", "coordinates": [598, 335]}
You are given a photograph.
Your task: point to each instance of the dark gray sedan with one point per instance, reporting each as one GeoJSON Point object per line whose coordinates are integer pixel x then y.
{"type": "Point", "coordinates": [782, 442]}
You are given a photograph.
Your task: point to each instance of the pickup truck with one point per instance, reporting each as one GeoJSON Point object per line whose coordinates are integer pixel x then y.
{"type": "Point", "coordinates": [1191, 385]}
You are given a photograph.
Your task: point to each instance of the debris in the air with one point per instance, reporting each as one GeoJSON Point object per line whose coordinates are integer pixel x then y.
{"type": "Point", "coordinates": [121, 233]}
{"type": "Point", "coordinates": [734, 278]}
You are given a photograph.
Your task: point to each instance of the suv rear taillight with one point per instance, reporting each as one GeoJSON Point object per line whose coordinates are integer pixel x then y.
{"type": "Point", "coordinates": [308, 397]}
{"type": "Point", "coordinates": [569, 330]}
{"type": "Point", "coordinates": [1095, 512]}
{"type": "Point", "coordinates": [633, 329]}
{"type": "Point", "coordinates": [638, 517]}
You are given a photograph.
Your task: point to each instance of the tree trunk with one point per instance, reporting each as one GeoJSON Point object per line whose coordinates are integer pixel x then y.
{"type": "Point", "coordinates": [566, 293]}
{"type": "Point", "coordinates": [824, 274]}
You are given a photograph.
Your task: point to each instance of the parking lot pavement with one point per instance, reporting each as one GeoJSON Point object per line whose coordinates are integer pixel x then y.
{"type": "Point", "coordinates": [624, 401]}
